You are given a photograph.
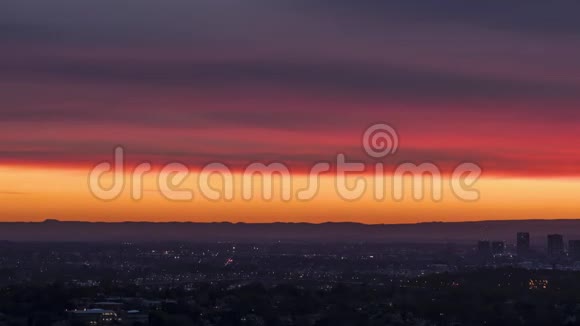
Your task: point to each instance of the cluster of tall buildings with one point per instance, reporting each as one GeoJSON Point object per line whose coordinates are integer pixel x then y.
{"type": "Point", "coordinates": [555, 246]}
{"type": "Point", "coordinates": [490, 248]}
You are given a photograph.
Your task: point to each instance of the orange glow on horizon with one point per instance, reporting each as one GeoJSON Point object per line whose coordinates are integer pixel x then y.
{"type": "Point", "coordinates": [35, 194]}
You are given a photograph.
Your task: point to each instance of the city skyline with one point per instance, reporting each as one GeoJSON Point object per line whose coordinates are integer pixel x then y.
{"type": "Point", "coordinates": [289, 163]}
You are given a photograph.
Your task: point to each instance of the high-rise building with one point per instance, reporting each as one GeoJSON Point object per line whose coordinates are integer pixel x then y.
{"type": "Point", "coordinates": [497, 247]}
{"type": "Point", "coordinates": [574, 249]}
{"type": "Point", "coordinates": [523, 243]}
{"type": "Point", "coordinates": [555, 244]}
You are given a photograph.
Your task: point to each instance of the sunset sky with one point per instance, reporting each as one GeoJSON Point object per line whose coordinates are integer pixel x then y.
{"type": "Point", "coordinates": [236, 82]}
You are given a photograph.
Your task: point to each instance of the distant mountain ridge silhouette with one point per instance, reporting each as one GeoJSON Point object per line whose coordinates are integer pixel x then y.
{"type": "Point", "coordinates": [432, 232]}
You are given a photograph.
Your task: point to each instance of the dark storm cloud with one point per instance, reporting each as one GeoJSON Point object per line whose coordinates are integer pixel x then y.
{"type": "Point", "coordinates": [492, 163]}
{"type": "Point", "coordinates": [403, 35]}
{"type": "Point", "coordinates": [544, 17]}
{"type": "Point", "coordinates": [331, 78]}
{"type": "Point", "coordinates": [48, 114]}
{"type": "Point", "coordinates": [26, 32]}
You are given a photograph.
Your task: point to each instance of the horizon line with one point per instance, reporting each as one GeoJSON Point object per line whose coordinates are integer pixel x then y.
{"type": "Point", "coordinates": [50, 220]}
